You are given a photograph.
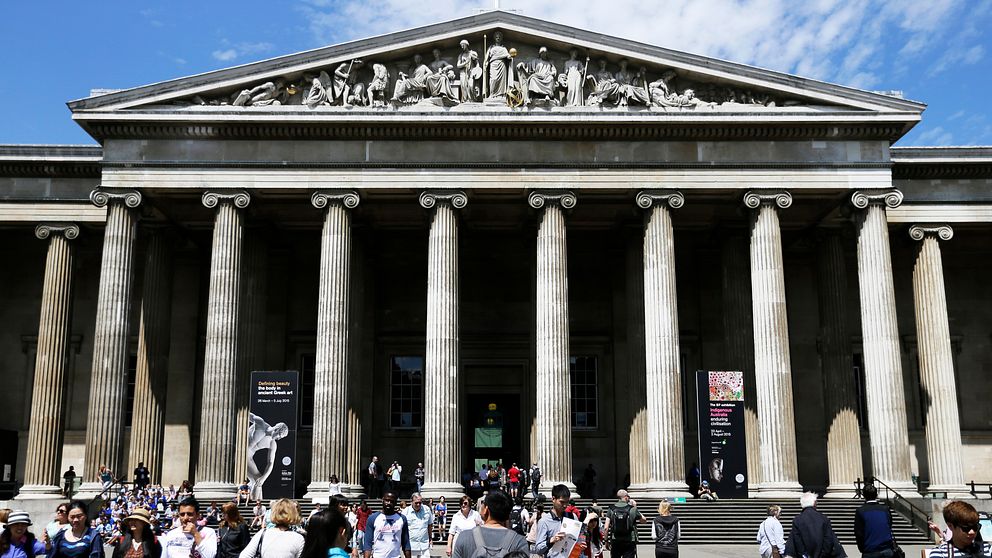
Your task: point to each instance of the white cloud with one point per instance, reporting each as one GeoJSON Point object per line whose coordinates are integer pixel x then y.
{"type": "Point", "coordinates": [239, 50]}
{"type": "Point", "coordinates": [225, 55]}
{"type": "Point", "coordinates": [935, 136]}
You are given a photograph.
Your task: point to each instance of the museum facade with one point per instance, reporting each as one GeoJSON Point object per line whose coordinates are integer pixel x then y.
{"type": "Point", "coordinates": [497, 216]}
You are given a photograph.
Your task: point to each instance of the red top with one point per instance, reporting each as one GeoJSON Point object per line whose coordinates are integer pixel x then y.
{"type": "Point", "coordinates": [363, 516]}
{"type": "Point", "coordinates": [514, 474]}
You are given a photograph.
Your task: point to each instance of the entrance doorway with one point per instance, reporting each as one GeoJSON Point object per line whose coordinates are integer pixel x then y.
{"type": "Point", "coordinates": [493, 433]}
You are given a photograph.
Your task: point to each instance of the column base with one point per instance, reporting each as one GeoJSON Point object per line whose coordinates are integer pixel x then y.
{"type": "Point", "coordinates": [319, 493]}
{"type": "Point", "coordinates": [205, 491]}
{"type": "Point", "coordinates": [90, 490]}
{"type": "Point", "coordinates": [450, 490]}
{"type": "Point", "coordinates": [948, 491]}
{"type": "Point", "coordinates": [546, 487]}
{"type": "Point", "coordinates": [904, 488]}
{"type": "Point", "coordinates": [661, 489]}
{"type": "Point", "coordinates": [779, 489]}
{"type": "Point", "coordinates": [840, 491]}
{"type": "Point", "coordinates": [39, 492]}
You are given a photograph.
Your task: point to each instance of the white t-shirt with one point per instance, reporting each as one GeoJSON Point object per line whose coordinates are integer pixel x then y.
{"type": "Point", "coordinates": [275, 544]}
{"type": "Point", "coordinates": [178, 544]}
{"type": "Point", "coordinates": [461, 523]}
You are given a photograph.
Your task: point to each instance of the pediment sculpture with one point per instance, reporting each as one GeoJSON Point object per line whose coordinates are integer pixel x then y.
{"type": "Point", "coordinates": [503, 76]}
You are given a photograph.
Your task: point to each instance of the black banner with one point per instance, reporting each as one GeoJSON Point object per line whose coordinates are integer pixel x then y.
{"type": "Point", "coordinates": [722, 443]}
{"type": "Point", "coordinates": [272, 434]}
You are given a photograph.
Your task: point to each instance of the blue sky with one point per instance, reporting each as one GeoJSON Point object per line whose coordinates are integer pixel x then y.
{"type": "Point", "coordinates": [935, 51]}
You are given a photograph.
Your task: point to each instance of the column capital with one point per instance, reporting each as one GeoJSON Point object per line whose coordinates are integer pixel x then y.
{"type": "Point", "coordinates": [756, 198]}
{"type": "Point", "coordinates": [239, 198]}
{"type": "Point", "coordinates": [538, 198]}
{"type": "Point", "coordinates": [101, 197]}
{"type": "Point", "coordinates": [322, 198]}
{"type": "Point", "coordinates": [938, 230]}
{"type": "Point", "coordinates": [69, 230]}
{"type": "Point", "coordinates": [646, 198]}
{"type": "Point", "coordinates": [429, 198]}
{"type": "Point", "coordinates": [892, 198]}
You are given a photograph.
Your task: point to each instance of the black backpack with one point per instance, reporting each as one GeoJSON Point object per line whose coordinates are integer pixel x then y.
{"type": "Point", "coordinates": [621, 524]}
{"type": "Point", "coordinates": [517, 520]}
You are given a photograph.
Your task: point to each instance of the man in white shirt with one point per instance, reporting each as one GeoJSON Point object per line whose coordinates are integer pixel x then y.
{"type": "Point", "coordinates": [386, 533]}
{"type": "Point", "coordinates": [419, 520]}
{"type": "Point", "coordinates": [187, 540]}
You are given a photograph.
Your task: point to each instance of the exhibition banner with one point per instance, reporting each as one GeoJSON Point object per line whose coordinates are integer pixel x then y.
{"type": "Point", "coordinates": [273, 410]}
{"type": "Point", "coordinates": [722, 443]}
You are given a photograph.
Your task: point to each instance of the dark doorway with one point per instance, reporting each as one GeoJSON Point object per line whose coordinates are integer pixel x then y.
{"type": "Point", "coordinates": [493, 433]}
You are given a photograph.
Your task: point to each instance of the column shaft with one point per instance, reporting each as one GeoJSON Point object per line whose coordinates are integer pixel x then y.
{"type": "Point", "coordinates": [442, 437]}
{"type": "Point", "coordinates": [218, 414]}
{"type": "Point", "coordinates": [554, 437]}
{"type": "Point", "coordinates": [150, 385]}
{"type": "Point", "coordinates": [251, 335]}
{"type": "Point", "coordinates": [882, 358]}
{"type": "Point", "coordinates": [844, 463]}
{"type": "Point", "coordinates": [108, 384]}
{"type": "Point", "coordinates": [330, 419]}
{"type": "Point", "coordinates": [666, 456]}
{"type": "Point", "coordinates": [772, 364]}
{"type": "Point", "coordinates": [943, 427]}
{"type": "Point", "coordinates": [41, 474]}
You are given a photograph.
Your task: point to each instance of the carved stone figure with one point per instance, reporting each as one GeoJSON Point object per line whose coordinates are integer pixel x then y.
{"type": "Point", "coordinates": [607, 89]}
{"type": "Point", "coordinates": [268, 93]}
{"type": "Point", "coordinates": [538, 78]}
{"type": "Point", "coordinates": [318, 91]}
{"type": "Point", "coordinates": [377, 87]}
{"type": "Point", "coordinates": [686, 100]}
{"type": "Point", "coordinates": [498, 67]}
{"type": "Point", "coordinates": [423, 83]}
{"type": "Point", "coordinates": [347, 90]}
{"type": "Point", "coordinates": [468, 72]}
{"type": "Point", "coordinates": [660, 88]}
{"type": "Point", "coordinates": [637, 92]}
{"type": "Point", "coordinates": [574, 78]}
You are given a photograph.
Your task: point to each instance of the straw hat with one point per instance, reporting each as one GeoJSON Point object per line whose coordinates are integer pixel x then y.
{"type": "Point", "coordinates": [140, 514]}
{"type": "Point", "coordinates": [591, 516]}
{"type": "Point", "coordinates": [18, 516]}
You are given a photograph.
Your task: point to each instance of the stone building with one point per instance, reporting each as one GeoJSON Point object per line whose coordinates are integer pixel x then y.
{"type": "Point", "coordinates": [538, 234]}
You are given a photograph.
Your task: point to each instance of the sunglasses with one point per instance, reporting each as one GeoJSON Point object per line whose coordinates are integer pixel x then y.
{"type": "Point", "coordinates": [60, 510]}
{"type": "Point", "coordinates": [965, 528]}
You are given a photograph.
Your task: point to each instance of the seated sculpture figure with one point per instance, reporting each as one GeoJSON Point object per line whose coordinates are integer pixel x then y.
{"type": "Point", "coordinates": [539, 78]}
{"type": "Point", "coordinates": [422, 84]}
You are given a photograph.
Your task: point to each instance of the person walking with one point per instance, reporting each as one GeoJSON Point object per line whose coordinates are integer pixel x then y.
{"type": "Point", "coordinates": [80, 540]}
{"type": "Point", "coordinates": [189, 536]}
{"type": "Point", "coordinates": [68, 482]}
{"type": "Point", "coordinates": [232, 533]}
{"type": "Point", "coordinates": [418, 476]}
{"type": "Point", "coordinates": [420, 522]}
{"type": "Point", "coordinates": [280, 541]}
{"type": "Point", "coordinates": [376, 478]}
{"type": "Point", "coordinates": [812, 534]}
{"type": "Point", "coordinates": [549, 527]}
{"type": "Point", "coordinates": [873, 526]}
{"type": "Point", "coordinates": [492, 536]}
{"type": "Point", "coordinates": [441, 515]}
{"type": "Point", "coordinates": [465, 519]}
{"type": "Point", "coordinates": [387, 534]}
{"type": "Point", "coordinates": [666, 531]}
{"type": "Point", "coordinates": [16, 541]}
{"type": "Point", "coordinates": [142, 476]}
{"type": "Point", "coordinates": [771, 537]}
{"type": "Point", "coordinates": [60, 523]}
{"type": "Point", "coordinates": [327, 535]}
{"type": "Point", "coordinates": [535, 479]}
{"type": "Point", "coordinates": [393, 477]}
{"type": "Point", "coordinates": [138, 540]}
{"type": "Point", "coordinates": [361, 522]}
{"type": "Point", "coordinates": [621, 526]}
{"type": "Point", "coordinates": [962, 521]}
{"type": "Point", "coordinates": [595, 541]}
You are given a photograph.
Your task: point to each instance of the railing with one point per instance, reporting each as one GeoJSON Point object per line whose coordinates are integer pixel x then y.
{"type": "Point", "coordinates": [919, 518]}
{"type": "Point", "coordinates": [981, 489]}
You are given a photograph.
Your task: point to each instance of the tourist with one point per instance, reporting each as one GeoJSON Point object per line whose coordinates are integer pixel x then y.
{"type": "Point", "coordinates": [68, 481]}
{"type": "Point", "coordinates": [316, 509]}
{"type": "Point", "coordinates": [549, 529]}
{"type": "Point", "coordinates": [232, 534]}
{"type": "Point", "coordinates": [418, 476]}
{"type": "Point", "coordinates": [386, 532]}
{"type": "Point", "coordinates": [16, 541]}
{"type": "Point", "coordinates": [60, 523]}
{"type": "Point", "coordinates": [595, 542]}
{"type": "Point", "coordinates": [465, 519]}
{"type": "Point", "coordinates": [106, 477]}
{"type": "Point", "coordinates": [327, 535]}
{"type": "Point", "coordinates": [189, 536]}
{"type": "Point", "coordinates": [138, 540]}
{"type": "Point", "coordinates": [142, 476]}
{"type": "Point", "coordinates": [362, 517]}
{"type": "Point", "coordinates": [513, 478]}
{"type": "Point", "coordinates": [258, 515]}
{"type": "Point", "coordinates": [244, 492]}
{"type": "Point", "coordinates": [534, 521]}
{"type": "Point", "coordinates": [333, 485]}
{"type": "Point", "coordinates": [706, 493]}
{"type": "Point", "coordinates": [441, 513]}
{"type": "Point", "coordinates": [665, 531]}
{"type": "Point", "coordinates": [621, 526]}
{"type": "Point", "coordinates": [873, 526]}
{"type": "Point", "coordinates": [535, 479]}
{"type": "Point", "coordinates": [962, 520]}
{"type": "Point", "coordinates": [375, 478]}
{"type": "Point", "coordinates": [80, 540]}
{"type": "Point", "coordinates": [519, 518]}
{"type": "Point", "coordinates": [420, 522]}
{"type": "Point", "coordinates": [394, 476]}
{"type": "Point", "coordinates": [279, 541]}
{"type": "Point", "coordinates": [811, 532]}
{"type": "Point", "coordinates": [771, 537]}
{"type": "Point", "coordinates": [493, 532]}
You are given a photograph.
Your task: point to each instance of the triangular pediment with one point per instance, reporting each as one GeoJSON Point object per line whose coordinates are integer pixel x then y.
{"type": "Point", "coordinates": [581, 73]}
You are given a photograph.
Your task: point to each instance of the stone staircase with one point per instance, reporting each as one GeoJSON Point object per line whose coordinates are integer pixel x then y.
{"type": "Point", "coordinates": [727, 521]}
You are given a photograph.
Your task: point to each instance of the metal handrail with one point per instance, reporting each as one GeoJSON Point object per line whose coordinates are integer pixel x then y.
{"type": "Point", "coordinates": [919, 518]}
{"type": "Point", "coordinates": [976, 493]}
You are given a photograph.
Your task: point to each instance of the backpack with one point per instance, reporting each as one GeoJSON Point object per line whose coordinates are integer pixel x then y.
{"type": "Point", "coordinates": [516, 520]}
{"type": "Point", "coordinates": [621, 524]}
{"type": "Point", "coordinates": [483, 551]}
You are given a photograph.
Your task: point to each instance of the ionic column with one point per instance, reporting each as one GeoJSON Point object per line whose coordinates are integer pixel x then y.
{"type": "Point", "coordinates": [553, 425]}
{"type": "Point", "coordinates": [148, 417]}
{"type": "Point", "coordinates": [772, 363]}
{"type": "Point", "coordinates": [41, 474]}
{"type": "Point", "coordinates": [666, 456]}
{"type": "Point", "coordinates": [442, 438]}
{"type": "Point", "coordinates": [840, 395]}
{"type": "Point", "coordinates": [330, 405]}
{"type": "Point", "coordinates": [880, 337]}
{"type": "Point", "coordinates": [108, 383]}
{"type": "Point", "coordinates": [218, 413]}
{"type": "Point", "coordinates": [251, 333]}
{"type": "Point", "coordinates": [943, 427]}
